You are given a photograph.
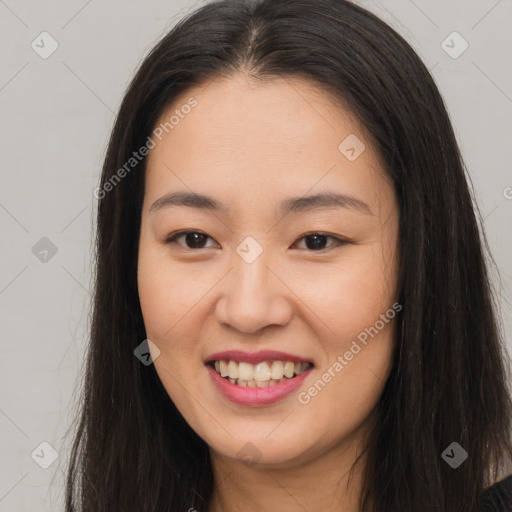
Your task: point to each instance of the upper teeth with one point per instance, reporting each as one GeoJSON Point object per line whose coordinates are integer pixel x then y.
{"type": "Point", "coordinates": [265, 371]}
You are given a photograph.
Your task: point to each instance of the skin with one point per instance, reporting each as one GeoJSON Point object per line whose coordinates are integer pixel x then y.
{"type": "Point", "coordinates": [250, 145]}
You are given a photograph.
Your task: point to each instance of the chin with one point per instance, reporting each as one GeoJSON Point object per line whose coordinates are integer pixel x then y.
{"type": "Point", "coordinates": [284, 450]}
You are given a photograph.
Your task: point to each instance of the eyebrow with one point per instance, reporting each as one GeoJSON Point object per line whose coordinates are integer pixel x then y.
{"type": "Point", "coordinates": [290, 205]}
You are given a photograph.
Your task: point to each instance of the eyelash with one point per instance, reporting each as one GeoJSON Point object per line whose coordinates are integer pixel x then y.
{"type": "Point", "coordinates": [337, 241]}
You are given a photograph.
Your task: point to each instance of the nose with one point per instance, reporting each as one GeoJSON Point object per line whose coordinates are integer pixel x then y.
{"type": "Point", "coordinates": [253, 297]}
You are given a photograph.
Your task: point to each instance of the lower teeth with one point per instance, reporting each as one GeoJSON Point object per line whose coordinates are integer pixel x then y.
{"type": "Point", "coordinates": [256, 383]}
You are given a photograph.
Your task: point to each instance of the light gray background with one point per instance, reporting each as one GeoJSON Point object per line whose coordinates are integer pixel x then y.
{"type": "Point", "coordinates": [56, 116]}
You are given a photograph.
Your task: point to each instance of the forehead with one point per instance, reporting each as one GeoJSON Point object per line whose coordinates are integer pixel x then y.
{"type": "Point", "coordinates": [260, 138]}
{"type": "Point", "coordinates": [241, 112]}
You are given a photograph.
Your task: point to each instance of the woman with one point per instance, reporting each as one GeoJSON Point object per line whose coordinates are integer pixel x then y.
{"type": "Point", "coordinates": [292, 309]}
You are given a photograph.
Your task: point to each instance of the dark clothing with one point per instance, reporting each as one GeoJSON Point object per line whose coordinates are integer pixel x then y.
{"type": "Point", "coordinates": [498, 497]}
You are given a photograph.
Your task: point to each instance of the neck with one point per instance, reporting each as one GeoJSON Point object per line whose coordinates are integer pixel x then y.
{"type": "Point", "coordinates": [323, 483]}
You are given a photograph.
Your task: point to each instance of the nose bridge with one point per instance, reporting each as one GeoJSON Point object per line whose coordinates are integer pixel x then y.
{"type": "Point", "coordinates": [253, 296]}
{"type": "Point", "coordinates": [252, 289]}
{"type": "Point", "coordinates": [251, 261]}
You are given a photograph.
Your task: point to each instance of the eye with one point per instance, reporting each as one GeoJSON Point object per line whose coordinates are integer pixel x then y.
{"type": "Point", "coordinates": [193, 239]}
{"type": "Point", "coordinates": [197, 240]}
{"type": "Point", "coordinates": [317, 241]}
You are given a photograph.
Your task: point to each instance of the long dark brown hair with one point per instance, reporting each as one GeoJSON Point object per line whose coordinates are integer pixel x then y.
{"type": "Point", "coordinates": [132, 450]}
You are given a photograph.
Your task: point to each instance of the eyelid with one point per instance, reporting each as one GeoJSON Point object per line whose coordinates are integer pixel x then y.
{"type": "Point", "coordinates": [338, 241]}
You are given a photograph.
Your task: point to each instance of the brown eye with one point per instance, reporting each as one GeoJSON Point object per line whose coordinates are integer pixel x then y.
{"type": "Point", "coordinates": [318, 241]}
{"type": "Point", "coordinates": [193, 239]}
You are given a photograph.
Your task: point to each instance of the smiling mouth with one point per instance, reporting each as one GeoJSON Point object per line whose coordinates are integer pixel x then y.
{"type": "Point", "coordinates": [261, 375]}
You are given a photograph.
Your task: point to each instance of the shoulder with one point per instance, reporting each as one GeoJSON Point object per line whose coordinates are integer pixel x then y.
{"type": "Point", "coordinates": [498, 497]}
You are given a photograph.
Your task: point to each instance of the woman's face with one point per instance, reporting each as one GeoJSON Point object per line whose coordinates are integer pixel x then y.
{"type": "Point", "coordinates": [294, 251]}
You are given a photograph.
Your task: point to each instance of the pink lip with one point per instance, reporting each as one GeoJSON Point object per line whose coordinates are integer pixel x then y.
{"type": "Point", "coordinates": [256, 357]}
{"type": "Point", "coordinates": [256, 396]}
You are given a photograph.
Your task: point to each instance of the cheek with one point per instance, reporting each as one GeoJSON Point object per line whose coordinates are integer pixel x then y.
{"type": "Point", "coordinates": [166, 296]}
{"type": "Point", "coordinates": [358, 304]}
{"type": "Point", "coordinates": [155, 296]}
{"type": "Point", "coordinates": [358, 359]}
{"type": "Point", "coordinates": [350, 296]}
{"type": "Point", "coordinates": [174, 309]}
{"type": "Point", "coordinates": [166, 292]}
